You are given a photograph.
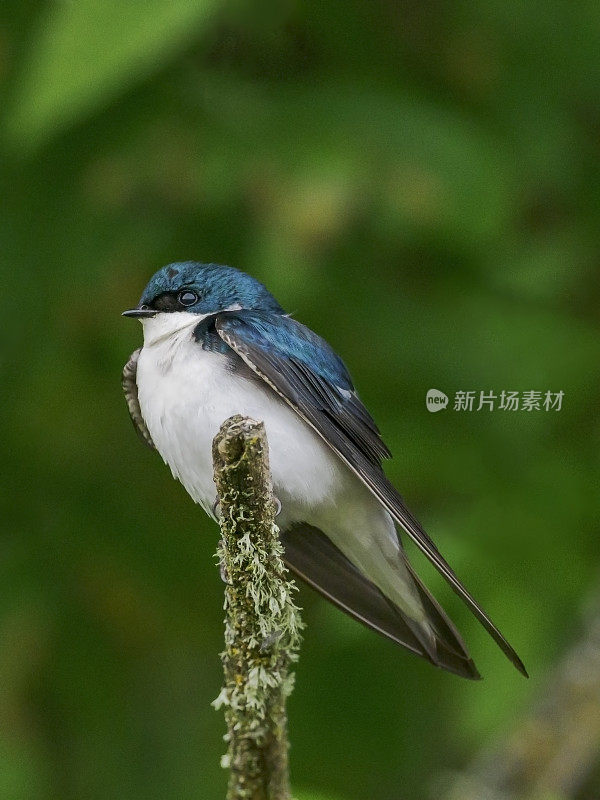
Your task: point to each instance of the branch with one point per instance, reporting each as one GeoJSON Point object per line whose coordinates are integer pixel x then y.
{"type": "Point", "coordinates": [262, 624]}
{"type": "Point", "coordinates": [553, 752]}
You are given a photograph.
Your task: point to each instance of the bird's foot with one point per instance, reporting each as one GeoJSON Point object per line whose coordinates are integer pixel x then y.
{"type": "Point", "coordinates": [277, 505]}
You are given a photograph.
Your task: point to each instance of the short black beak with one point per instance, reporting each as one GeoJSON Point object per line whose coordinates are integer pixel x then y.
{"type": "Point", "coordinates": [140, 313]}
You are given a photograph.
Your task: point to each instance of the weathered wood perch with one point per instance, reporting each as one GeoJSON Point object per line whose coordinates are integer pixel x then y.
{"type": "Point", "coordinates": [262, 624]}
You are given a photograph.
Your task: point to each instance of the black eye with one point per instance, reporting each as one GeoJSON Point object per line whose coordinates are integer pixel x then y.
{"type": "Point", "coordinates": [187, 298]}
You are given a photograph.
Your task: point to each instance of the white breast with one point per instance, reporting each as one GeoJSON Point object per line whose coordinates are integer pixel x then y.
{"type": "Point", "coordinates": [185, 394]}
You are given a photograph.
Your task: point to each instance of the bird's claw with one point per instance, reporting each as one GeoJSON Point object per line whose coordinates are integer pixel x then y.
{"type": "Point", "coordinates": [277, 506]}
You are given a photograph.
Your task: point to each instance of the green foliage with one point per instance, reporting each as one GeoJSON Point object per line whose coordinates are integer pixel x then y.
{"type": "Point", "coordinates": [418, 183]}
{"type": "Point", "coordinates": [311, 796]}
{"type": "Point", "coordinates": [85, 52]}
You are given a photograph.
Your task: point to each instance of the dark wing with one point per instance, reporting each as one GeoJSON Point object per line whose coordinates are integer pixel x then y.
{"type": "Point", "coordinates": [315, 559]}
{"type": "Point", "coordinates": [309, 376]}
{"type": "Point", "coordinates": [131, 396]}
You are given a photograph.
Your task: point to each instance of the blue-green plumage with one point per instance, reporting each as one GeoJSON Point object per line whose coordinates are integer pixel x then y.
{"type": "Point", "coordinates": [217, 287]}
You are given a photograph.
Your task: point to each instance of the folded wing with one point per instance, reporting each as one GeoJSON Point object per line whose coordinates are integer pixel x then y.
{"type": "Point", "coordinates": [310, 377]}
{"type": "Point", "coordinates": [128, 382]}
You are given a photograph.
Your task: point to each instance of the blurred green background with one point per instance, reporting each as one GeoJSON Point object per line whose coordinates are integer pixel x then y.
{"type": "Point", "coordinates": [419, 183]}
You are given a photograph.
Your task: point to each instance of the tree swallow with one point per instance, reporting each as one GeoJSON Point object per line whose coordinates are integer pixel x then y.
{"type": "Point", "coordinates": [217, 343]}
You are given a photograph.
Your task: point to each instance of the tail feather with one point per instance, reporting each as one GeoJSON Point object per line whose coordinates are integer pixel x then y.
{"type": "Point", "coordinates": [315, 559]}
{"type": "Point", "coordinates": [446, 633]}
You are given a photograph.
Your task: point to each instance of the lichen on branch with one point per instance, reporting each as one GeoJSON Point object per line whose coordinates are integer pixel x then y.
{"type": "Point", "coordinates": [262, 622]}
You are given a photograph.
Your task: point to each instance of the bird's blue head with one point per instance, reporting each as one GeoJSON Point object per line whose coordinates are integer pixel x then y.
{"type": "Point", "coordinates": [202, 289]}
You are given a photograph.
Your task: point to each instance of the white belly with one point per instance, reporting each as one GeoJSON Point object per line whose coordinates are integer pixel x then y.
{"type": "Point", "coordinates": [186, 393]}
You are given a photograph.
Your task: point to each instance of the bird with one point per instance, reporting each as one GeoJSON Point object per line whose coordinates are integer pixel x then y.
{"type": "Point", "coordinates": [217, 343]}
